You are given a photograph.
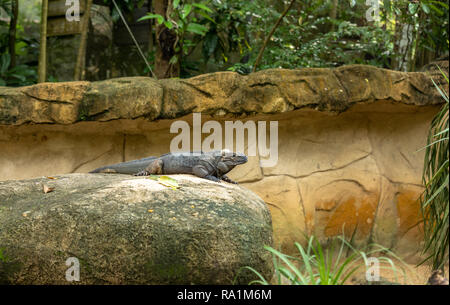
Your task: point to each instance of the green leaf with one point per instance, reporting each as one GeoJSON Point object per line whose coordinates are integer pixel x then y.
{"type": "Point", "coordinates": [197, 28]}
{"type": "Point", "coordinates": [173, 60]}
{"type": "Point", "coordinates": [186, 11]}
{"type": "Point", "coordinates": [261, 281]}
{"type": "Point", "coordinates": [176, 3]}
{"type": "Point", "coordinates": [21, 48]}
{"type": "Point", "coordinates": [160, 19]}
{"type": "Point", "coordinates": [209, 45]}
{"type": "Point", "coordinates": [435, 202]}
{"type": "Point", "coordinates": [5, 60]}
{"type": "Point", "coordinates": [168, 24]}
{"type": "Point", "coordinates": [168, 181]}
{"type": "Point", "coordinates": [202, 7]}
{"type": "Point", "coordinates": [286, 272]}
{"type": "Point", "coordinates": [412, 8]}
{"type": "Point", "coordinates": [206, 16]}
{"type": "Point", "coordinates": [443, 4]}
{"type": "Point", "coordinates": [19, 77]}
{"type": "Point", "coordinates": [437, 10]}
{"type": "Point", "coordinates": [425, 8]}
{"type": "Point", "coordinates": [115, 15]}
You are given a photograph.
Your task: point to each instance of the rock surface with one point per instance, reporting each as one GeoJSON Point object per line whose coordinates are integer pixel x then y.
{"type": "Point", "coordinates": [265, 92]}
{"type": "Point", "coordinates": [131, 230]}
{"type": "Point", "coordinates": [349, 140]}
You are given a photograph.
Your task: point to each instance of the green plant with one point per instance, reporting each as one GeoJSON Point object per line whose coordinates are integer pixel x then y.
{"type": "Point", "coordinates": [324, 266]}
{"type": "Point", "coordinates": [20, 75]}
{"type": "Point", "coordinates": [183, 21]}
{"type": "Point", "coordinates": [434, 203]}
{"type": "Point", "coordinates": [125, 6]}
{"type": "Point", "coordinates": [240, 68]}
{"type": "Point", "coordinates": [23, 73]}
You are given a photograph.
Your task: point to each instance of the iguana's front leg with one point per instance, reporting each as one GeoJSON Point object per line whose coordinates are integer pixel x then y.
{"type": "Point", "coordinates": [226, 179]}
{"type": "Point", "coordinates": [212, 178]}
{"type": "Point", "coordinates": [155, 168]}
{"type": "Point", "coordinates": [203, 172]}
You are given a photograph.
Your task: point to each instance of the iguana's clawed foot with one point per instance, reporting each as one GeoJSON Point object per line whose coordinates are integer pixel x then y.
{"type": "Point", "coordinates": [226, 179]}
{"type": "Point", "coordinates": [143, 173]}
{"type": "Point", "coordinates": [212, 178]}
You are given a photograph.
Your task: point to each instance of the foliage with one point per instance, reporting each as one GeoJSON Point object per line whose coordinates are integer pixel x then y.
{"type": "Point", "coordinates": [5, 9]}
{"type": "Point", "coordinates": [20, 75]}
{"type": "Point", "coordinates": [183, 20]}
{"type": "Point", "coordinates": [304, 39]}
{"type": "Point", "coordinates": [435, 202]}
{"type": "Point", "coordinates": [240, 68]}
{"type": "Point", "coordinates": [229, 32]}
{"type": "Point", "coordinates": [310, 37]}
{"type": "Point", "coordinates": [217, 35]}
{"type": "Point", "coordinates": [420, 30]}
{"type": "Point", "coordinates": [125, 6]}
{"type": "Point", "coordinates": [24, 73]}
{"type": "Point", "coordinates": [324, 266]}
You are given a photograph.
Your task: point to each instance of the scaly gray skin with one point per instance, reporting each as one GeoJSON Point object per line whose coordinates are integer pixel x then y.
{"type": "Point", "coordinates": [209, 165]}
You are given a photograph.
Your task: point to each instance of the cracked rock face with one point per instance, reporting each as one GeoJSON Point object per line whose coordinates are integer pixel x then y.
{"type": "Point", "coordinates": [131, 230]}
{"type": "Point", "coordinates": [266, 92]}
{"type": "Point", "coordinates": [348, 140]}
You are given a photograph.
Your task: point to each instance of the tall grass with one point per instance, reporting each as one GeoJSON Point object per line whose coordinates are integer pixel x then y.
{"type": "Point", "coordinates": [325, 266]}
{"type": "Point", "coordinates": [434, 202]}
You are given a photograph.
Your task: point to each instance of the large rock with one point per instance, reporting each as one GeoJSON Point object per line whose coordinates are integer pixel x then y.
{"type": "Point", "coordinates": [131, 230]}
{"type": "Point", "coordinates": [349, 140]}
{"type": "Point", "coordinates": [265, 92]}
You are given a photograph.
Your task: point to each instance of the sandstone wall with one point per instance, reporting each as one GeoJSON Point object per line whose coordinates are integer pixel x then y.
{"type": "Point", "coordinates": [348, 140]}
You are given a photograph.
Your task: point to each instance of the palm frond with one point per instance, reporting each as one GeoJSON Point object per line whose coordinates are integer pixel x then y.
{"type": "Point", "coordinates": [434, 202]}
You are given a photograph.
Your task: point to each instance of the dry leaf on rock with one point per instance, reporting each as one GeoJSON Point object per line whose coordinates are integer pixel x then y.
{"type": "Point", "coordinates": [47, 189]}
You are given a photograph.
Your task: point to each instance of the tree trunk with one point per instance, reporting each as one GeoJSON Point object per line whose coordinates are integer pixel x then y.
{"type": "Point", "coordinates": [42, 67]}
{"type": "Point", "coordinates": [81, 56]}
{"type": "Point", "coordinates": [266, 41]}
{"type": "Point", "coordinates": [333, 13]}
{"type": "Point", "coordinates": [150, 27]}
{"type": "Point", "coordinates": [403, 40]}
{"type": "Point", "coordinates": [165, 40]}
{"type": "Point", "coordinates": [396, 57]}
{"type": "Point", "coordinates": [12, 32]}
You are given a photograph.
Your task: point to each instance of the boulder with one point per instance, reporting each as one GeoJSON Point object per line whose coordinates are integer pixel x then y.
{"type": "Point", "coordinates": [271, 91]}
{"type": "Point", "coordinates": [350, 140]}
{"type": "Point", "coordinates": [131, 230]}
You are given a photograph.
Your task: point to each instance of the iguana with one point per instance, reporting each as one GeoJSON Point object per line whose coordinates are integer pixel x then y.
{"type": "Point", "coordinates": [209, 165]}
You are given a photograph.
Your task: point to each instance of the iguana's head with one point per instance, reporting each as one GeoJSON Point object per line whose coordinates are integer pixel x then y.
{"type": "Point", "coordinates": [232, 159]}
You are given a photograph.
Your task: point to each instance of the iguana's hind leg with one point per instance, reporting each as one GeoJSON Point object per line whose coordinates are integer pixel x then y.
{"type": "Point", "coordinates": [155, 168]}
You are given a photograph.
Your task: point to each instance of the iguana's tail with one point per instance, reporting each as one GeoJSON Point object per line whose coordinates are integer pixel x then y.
{"type": "Point", "coordinates": [130, 167]}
